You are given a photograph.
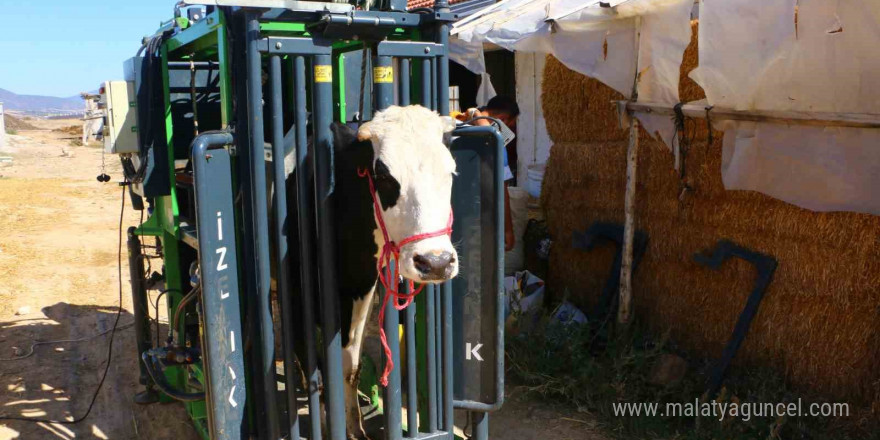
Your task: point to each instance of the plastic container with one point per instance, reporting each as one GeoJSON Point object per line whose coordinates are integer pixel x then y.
{"type": "Point", "coordinates": [534, 178]}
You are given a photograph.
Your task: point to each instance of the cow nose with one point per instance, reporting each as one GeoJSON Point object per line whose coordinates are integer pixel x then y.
{"type": "Point", "coordinates": [434, 265]}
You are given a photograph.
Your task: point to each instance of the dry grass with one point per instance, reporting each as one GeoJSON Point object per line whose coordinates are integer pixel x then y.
{"type": "Point", "coordinates": [76, 130]}
{"type": "Point", "coordinates": [14, 123]}
{"type": "Point", "coordinates": [819, 323]}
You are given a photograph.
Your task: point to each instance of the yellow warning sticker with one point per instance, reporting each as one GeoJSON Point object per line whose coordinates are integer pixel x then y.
{"type": "Point", "coordinates": [383, 74]}
{"type": "Point", "coordinates": [323, 73]}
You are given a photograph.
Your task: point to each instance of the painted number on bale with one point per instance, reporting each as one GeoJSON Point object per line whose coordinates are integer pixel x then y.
{"type": "Point", "coordinates": [323, 73]}
{"type": "Point", "coordinates": [383, 75]}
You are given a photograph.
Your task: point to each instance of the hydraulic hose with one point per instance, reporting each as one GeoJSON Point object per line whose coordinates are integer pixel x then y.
{"type": "Point", "coordinates": [192, 295]}
{"type": "Point", "coordinates": [154, 370]}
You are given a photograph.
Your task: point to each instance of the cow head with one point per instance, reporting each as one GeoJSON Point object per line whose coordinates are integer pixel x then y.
{"type": "Point", "coordinates": [412, 171]}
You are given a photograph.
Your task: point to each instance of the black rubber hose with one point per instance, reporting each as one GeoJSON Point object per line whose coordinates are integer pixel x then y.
{"type": "Point", "coordinates": [159, 379]}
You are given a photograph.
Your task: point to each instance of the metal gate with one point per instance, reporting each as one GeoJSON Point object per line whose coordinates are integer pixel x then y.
{"type": "Point", "coordinates": [453, 334]}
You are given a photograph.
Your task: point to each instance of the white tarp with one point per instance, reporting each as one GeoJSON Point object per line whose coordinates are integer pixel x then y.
{"type": "Point", "coordinates": [470, 56]}
{"type": "Point", "coordinates": [753, 56]}
{"type": "Point", "coordinates": [804, 55]}
{"type": "Point", "coordinates": [596, 41]}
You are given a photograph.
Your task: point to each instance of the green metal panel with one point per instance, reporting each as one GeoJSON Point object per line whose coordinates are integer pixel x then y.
{"type": "Point", "coordinates": [339, 86]}
{"type": "Point", "coordinates": [225, 81]}
{"type": "Point", "coordinates": [199, 31]}
{"type": "Point", "coordinates": [279, 28]}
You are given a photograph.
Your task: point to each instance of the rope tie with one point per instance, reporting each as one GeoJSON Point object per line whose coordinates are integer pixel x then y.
{"type": "Point", "coordinates": [389, 276]}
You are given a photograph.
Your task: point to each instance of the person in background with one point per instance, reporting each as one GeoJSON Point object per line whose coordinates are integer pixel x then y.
{"type": "Point", "coordinates": [505, 109]}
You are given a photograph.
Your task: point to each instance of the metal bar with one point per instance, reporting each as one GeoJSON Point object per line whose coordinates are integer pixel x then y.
{"type": "Point", "coordinates": [481, 425]}
{"type": "Point", "coordinates": [266, 336]}
{"type": "Point", "coordinates": [223, 351]}
{"type": "Point", "coordinates": [322, 102]}
{"type": "Point", "coordinates": [437, 356]}
{"type": "Point", "coordinates": [403, 82]}
{"type": "Point", "coordinates": [391, 393]}
{"type": "Point", "coordinates": [448, 414]}
{"type": "Point", "coordinates": [821, 119]}
{"type": "Point", "coordinates": [282, 274]}
{"type": "Point", "coordinates": [296, 45]}
{"type": "Point", "coordinates": [383, 82]}
{"type": "Point", "coordinates": [199, 65]}
{"type": "Point", "coordinates": [243, 214]}
{"type": "Point", "coordinates": [142, 332]}
{"type": "Point", "coordinates": [434, 67]}
{"type": "Point", "coordinates": [427, 96]}
{"type": "Point", "coordinates": [432, 358]}
{"type": "Point", "coordinates": [307, 259]}
{"type": "Point", "coordinates": [409, 49]}
{"type": "Point", "coordinates": [404, 20]}
{"type": "Point", "coordinates": [412, 400]}
{"type": "Point", "coordinates": [442, 7]}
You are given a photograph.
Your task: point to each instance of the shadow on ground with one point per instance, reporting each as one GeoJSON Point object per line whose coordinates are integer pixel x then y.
{"type": "Point", "coordinates": [58, 380]}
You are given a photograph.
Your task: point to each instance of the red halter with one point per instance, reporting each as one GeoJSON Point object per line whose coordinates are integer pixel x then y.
{"type": "Point", "coordinates": [391, 250]}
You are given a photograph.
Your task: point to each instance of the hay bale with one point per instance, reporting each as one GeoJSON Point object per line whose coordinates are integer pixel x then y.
{"type": "Point", "coordinates": [818, 324]}
{"type": "Point", "coordinates": [580, 108]}
{"type": "Point", "coordinates": [688, 89]}
{"type": "Point", "coordinates": [583, 187]}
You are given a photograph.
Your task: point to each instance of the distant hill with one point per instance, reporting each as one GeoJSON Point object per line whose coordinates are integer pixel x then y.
{"type": "Point", "coordinates": [38, 103]}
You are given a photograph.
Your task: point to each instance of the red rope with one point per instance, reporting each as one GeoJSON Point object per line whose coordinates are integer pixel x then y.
{"type": "Point", "coordinates": [391, 250]}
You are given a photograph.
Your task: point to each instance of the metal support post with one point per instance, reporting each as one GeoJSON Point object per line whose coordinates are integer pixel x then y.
{"type": "Point", "coordinates": [442, 7]}
{"type": "Point", "coordinates": [481, 425]}
{"type": "Point", "coordinates": [383, 82]}
{"type": "Point", "coordinates": [307, 260]}
{"type": "Point", "coordinates": [282, 274]}
{"type": "Point", "coordinates": [141, 314]}
{"type": "Point", "coordinates": [403, 81]}
{"type": "Point", "coordinates": [322, 101]}
{"type": "Point", "coordinates": [265, 371]}
{"type": "Point", "coordinates": [448, 414]}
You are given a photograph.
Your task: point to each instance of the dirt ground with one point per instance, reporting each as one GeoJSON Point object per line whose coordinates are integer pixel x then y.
{"type": "Point", "coordinates": [58, 280]}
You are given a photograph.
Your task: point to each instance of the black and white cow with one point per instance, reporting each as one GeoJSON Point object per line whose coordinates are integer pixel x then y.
{"type": "Point", "coordinates": [412, 169]}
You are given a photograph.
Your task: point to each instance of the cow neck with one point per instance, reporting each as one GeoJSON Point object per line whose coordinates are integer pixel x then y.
{"type": "Point", "coordinates": [388, 278]}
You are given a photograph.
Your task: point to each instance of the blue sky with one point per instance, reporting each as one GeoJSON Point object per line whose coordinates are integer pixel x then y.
{"type": "Point", "coordinates": [64, 47]}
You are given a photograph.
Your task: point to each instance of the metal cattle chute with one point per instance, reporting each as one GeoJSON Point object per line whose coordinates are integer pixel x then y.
{"type": "Point", "coordinates": [223, 92]}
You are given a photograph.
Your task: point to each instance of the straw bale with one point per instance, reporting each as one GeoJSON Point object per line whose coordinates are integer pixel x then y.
{"type": "Point", "coordinates": [581, 109]}
{"type": "Point", "coordinates": [688, 89]}
{"type": "Point", "coordinates": [818, 324]}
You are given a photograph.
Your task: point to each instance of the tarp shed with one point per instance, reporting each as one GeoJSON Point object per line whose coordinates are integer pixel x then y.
{"type": "Point", "coordinates": [810, 56]}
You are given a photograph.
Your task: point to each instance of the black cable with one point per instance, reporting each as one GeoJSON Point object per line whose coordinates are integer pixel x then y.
{"type": "Point", "coordinates": [109, 346]}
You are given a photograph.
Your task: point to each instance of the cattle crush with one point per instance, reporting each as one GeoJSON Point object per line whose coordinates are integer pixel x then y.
{"type": "Point", "coordinates": [245, 112]}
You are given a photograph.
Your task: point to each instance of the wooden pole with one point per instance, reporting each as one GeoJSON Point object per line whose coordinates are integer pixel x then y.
{"type": "Point", "coordinates": [624, 311]}
{"type": "Point", "coordinates": [818, 119]}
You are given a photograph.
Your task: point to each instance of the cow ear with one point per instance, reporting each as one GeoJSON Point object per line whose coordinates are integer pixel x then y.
{"type": "Point", "coordinates": [343, 135]}
{"type": "Point", "coordinates": [448, 123]}
{"type": "Point", "coordinates": [365, 132]}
